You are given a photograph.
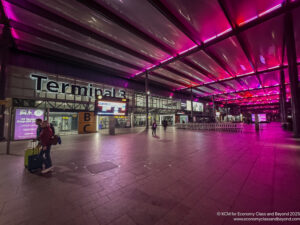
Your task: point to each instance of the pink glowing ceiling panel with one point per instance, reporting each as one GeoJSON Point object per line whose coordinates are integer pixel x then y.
{"type": "Point", "coordinates": [232, 55]}
{"type": "Point", "coordinates": [244, 11]}
{"type": "Point", "coordinates": [273, 90]}
{"type": "Point", "coordinates": [28, 38]}
{"type": "Point", "coordinates": [203, 18]}
{"type": "Point", "coordinates": [208, 90]}
{"type": "Point", "coordinates": [78, 13]}
{"type": "Point", "coordinates": [203, 60]}
{"type": "Point", "coordinates": [235, 85]}
{"type": "Point", "coordinates": [200, 93]}
{"type": "Point", "coordinates": [296, 15]}
{"type": "Point", "coordinates": [251, 81]}
{"type": "Point", "coordinates": [175, 77]}
{"type": "Point", "coordinates": [222, 88]}
{"type": "Point", "coordinates": [145, 17]}
{"type": "Point", "coordinates": [183, 68]}
{"type": "Point", "coordinates": [221, 97]}
{"type": "Point", "coordinates": [270, 78]}
{"type": "Point", "coordinates": [47, 26]}
{"type": "Point", "coordinates": [165, 82]}
{"type": "Point", "coordinates": [265, 43]}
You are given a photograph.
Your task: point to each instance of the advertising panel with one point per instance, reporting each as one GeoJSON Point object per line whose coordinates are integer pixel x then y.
{"type": "Point", "coordinates": [25, 127]}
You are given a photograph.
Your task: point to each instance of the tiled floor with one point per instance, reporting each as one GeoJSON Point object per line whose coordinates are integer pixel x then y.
{"type": "Point", "coordinates": [180, 177]}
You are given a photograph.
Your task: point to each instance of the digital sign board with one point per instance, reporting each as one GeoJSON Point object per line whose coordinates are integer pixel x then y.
{"type": "Point", "coordinates": [197, 106]}
{"type": "Point", "coordinates": [111, 107]}
{"type": "Point", "coordinates": [261, 118]}
{"type": "Point", "coordinates": [25, 127]}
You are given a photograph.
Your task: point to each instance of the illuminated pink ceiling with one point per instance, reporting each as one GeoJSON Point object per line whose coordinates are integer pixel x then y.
{"type": "Point", "coordinates": [230, 49]}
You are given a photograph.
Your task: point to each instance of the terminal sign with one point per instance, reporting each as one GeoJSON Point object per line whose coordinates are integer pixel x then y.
{"type": "Point", "coordinates": [25, 127]}
{"type": "Point", "coordinates": [63, 87]}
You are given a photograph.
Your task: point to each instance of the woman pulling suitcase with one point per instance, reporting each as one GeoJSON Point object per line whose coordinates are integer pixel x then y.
{"type": "Point", "coordinates": [45, 140]}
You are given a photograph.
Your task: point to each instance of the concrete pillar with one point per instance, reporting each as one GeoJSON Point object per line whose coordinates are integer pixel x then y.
{"type": "Point", "coordinates": [214, 107]}
{"type": "Point", "coordinates": [5, 42]}
{"type": "Point", "coordinates": [283, 113]}
{"type": "Point", "coordinates": [192, 113]}
{"type": "Point", "coordinates": [293, 72]}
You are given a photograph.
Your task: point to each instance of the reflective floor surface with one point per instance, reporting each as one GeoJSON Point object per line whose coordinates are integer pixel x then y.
{"type": "Point", "coordinates": [180, 177]}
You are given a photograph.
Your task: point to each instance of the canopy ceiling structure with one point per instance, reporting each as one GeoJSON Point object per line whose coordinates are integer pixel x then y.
{"type": "Point", "coordinates": [232, 50]}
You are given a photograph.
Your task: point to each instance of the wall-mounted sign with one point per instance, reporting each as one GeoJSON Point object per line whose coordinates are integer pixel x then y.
{"type": "Point", "coordinates": [87, 122]}
{"type": "Point", "coordinates": [63, 87]}
{"type": "Point", "coordinates": [25, 127]}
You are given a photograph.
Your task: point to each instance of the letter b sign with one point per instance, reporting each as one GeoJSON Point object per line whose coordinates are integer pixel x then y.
{"type": "Point", "coordinates": [87, 117]}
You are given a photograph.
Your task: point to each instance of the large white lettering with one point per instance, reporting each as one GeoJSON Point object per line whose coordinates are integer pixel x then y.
{"type": "Point", "coordinates": [62, 87]}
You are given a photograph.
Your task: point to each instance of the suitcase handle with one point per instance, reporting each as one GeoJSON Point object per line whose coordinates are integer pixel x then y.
{"type": "Point", "coordinates": [33, 146]}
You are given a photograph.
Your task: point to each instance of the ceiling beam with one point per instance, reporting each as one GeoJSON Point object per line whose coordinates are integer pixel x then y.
{"type": "Point", "coordinates": [251, 106]}
{"type": "Point", "coordinates": [237, 92]}
{"type": "Point", "coordinates": [68, 44]}
{"type": "Point", "coordinates": [260, 96]}
{"type": "Point", "coordinates": [247, 75]}
{"type": "Point", "coordinates": [179, 73]}
{"type": "Point", "coordinates": [240, 29]}
{"type": "Point", "coordinates": [161, 76]}
{"type": "Point", "coordinates": [76, 27]}
{"type": "Point", "coordinates": [218, 61]}
{"type": "Point", "coordinates": [198, 68]}
{"type": "Point", "coordinates": [58, 56]}
{"type": "Point", "coordinates": [201, 91]}
{"type": "Point", "coordinates": [173, 19]}
{"type": "Point", "coordinates": [125, 25]}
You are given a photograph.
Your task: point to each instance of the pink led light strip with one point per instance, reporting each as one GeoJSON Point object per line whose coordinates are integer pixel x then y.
{"type": "Point", "coordinates": [261, 14]}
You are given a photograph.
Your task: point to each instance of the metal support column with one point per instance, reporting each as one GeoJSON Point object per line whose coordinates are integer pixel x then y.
{"type": "Point", "coordinates": [283, 113]}
{"type": "Point", "coordinates": [293, 72]}
{"type": "Point", "coordinates": [4, 54]}
{"type": "Point", "coordinates": [214, 108]}
{"type": "Point", "coordinates": [192, 113]}
{"type": "Point", "coordinates": [147, 100]}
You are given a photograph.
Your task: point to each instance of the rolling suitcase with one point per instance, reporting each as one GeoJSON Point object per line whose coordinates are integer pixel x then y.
{"type": "Point", "coordinates": [32, 160]}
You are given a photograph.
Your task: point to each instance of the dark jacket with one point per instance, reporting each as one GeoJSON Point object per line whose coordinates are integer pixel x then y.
{"type": "Point", "coordinates": [38, 131]}
{"type": "Point", "coordinates": [45, 136]}
{"type": "Point", "coordinates": [154, 125]}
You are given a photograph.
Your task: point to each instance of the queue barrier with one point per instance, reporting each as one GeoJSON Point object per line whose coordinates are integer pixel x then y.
{"type": "Point", "coordinates": [230, 127]}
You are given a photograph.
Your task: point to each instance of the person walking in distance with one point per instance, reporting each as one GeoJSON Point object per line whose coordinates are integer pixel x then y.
{"type": "Point", "coordinates": [45, 139]}
{"type": "Point", "coordinates": [165, 124]}
{"type": "Point", "coordinates": [154, 125]}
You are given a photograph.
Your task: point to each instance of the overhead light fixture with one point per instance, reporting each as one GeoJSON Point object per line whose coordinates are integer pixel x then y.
{"type": "Point", "coordinates": [262, 59]}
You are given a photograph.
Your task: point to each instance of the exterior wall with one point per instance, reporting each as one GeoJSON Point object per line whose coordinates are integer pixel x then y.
{"type": "Point", "coordinates": [20, 85]}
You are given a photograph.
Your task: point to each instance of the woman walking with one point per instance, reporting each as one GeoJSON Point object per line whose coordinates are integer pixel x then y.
{"type": "Point", "coordinates": [45, 139]}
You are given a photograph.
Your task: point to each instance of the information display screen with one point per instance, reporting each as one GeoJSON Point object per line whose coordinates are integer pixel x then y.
{"type": "Point", "coordinates": [25, 127]}
{"type": "Point", "coordinates": [197, 106]}
{"type": "Point", "coordinates": [261, 118]}
{"type": "Point", "coordinates": [111, 107]}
